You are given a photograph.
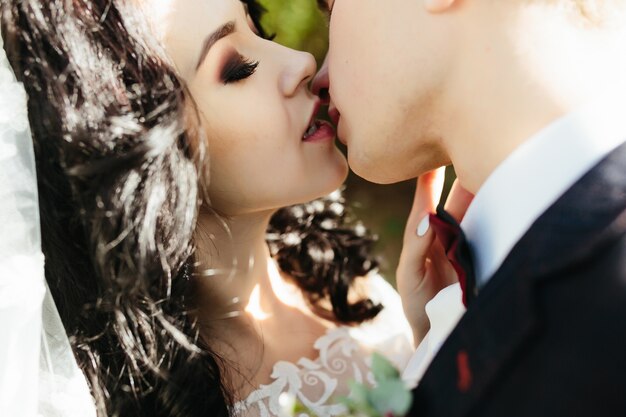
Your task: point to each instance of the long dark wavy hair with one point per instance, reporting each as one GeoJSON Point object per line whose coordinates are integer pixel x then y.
{"type": "Point", "coordinates": [119, 191]}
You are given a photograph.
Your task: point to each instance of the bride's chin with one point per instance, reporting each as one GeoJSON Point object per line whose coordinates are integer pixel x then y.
{"type": "Point", "coordinates": [340, 171]}
{"type": "Point", "coordinates": [342, 163]}
{"type": "Point", "coordinates": [329, 175]}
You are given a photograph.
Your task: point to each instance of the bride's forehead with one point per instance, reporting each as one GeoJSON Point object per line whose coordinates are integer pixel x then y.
{"type": "Point", "coordinates": [183, 25]}
{"type": "Point", "coordinates": [180, 13]}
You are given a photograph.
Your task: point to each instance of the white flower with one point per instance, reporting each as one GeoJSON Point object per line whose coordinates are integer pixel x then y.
{"type": "Point", "coordinates": [288, 404]}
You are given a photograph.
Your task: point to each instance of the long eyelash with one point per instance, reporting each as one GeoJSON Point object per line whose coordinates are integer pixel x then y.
{"type": "Point", "coordinates": [237, 69]}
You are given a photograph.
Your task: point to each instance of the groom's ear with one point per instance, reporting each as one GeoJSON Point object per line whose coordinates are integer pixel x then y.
{"type": "Point", "coordinates": [438, 6]}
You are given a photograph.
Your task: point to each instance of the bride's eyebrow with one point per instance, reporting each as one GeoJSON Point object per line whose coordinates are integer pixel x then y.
{"type": "Point", "coordinates": [221, 32]}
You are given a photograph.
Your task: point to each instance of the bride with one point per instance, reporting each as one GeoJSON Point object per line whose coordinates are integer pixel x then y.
{"type": "Point", "coordinates": [176, 150]}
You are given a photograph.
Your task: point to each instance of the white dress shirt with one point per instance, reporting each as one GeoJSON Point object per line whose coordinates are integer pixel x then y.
{"type": "Point", "coordinates": [535, 175]}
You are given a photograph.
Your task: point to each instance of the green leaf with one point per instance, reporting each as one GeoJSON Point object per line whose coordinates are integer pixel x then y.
{"type": "Point", "coordinates": [358, 392]}
{"type": "Point", "coordinates": [382, 369]}
{"type": "Point", "coordinates": [358, 409]}
{"type": "Point", "coordinates": [358, 401]}
{"type": "Point", "coordinates": [391, 396]}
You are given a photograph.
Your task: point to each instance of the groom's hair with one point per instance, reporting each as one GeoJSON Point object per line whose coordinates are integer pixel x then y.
{"type": "Point", "coordinates": [592, 11]}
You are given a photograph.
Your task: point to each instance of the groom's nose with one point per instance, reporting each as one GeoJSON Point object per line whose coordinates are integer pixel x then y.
{"type": "Point", "coordinates": [321, 83]}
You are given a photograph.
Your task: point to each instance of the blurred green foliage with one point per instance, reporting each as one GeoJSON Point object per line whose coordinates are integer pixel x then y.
{"type": "Point", "coordinates": [298, 24]}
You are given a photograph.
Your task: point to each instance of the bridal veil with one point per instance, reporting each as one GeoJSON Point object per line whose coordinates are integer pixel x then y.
{"type": "Point", "coordinates": [38, 373]}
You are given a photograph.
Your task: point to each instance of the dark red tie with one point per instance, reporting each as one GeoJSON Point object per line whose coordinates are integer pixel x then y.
{"type": "Point", "coordinates": [451, 236]}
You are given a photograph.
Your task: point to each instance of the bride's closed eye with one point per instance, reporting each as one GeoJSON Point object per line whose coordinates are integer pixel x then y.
{"type": "Point", "coordinates": [237, 68]}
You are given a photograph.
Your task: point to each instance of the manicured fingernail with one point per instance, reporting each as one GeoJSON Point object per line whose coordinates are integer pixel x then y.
{"type": "Point", "coordinates": [424, 225]}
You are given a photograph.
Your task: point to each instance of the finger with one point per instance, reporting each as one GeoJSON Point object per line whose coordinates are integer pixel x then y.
{"type": "Point", "coordinates": [429, 189]}
{"type": "Point", "coordinates": [427, 196]}
{"type": "Point", "coordinates": [415, 249]}
{"type": "Point", "coordinates": [445, 272]}
{"type": "Point", "coordinates": [418, 236]}
{"type": "Point", "coordinates": [458, 201]}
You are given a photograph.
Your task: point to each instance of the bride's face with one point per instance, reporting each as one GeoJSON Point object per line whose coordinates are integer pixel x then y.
{"type": "Point", "coordinates": [256, 107]}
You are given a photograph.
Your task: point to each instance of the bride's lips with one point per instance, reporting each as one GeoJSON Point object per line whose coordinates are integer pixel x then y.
{"type": "Point", "coordinates": [322, 131]}
{"type": "Point", "coordinates": [318, 130]}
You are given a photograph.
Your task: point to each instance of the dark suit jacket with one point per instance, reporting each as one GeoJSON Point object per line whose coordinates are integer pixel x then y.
{"type": "Point", "coordinates": [546, 336]}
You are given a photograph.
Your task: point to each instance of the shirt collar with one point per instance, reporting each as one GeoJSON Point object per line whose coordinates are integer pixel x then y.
{"type": "Point", "coordinates": [535, 175]}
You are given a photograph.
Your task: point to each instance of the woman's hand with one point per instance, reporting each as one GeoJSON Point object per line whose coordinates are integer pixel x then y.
{"type": "Point", "coordinates": [424, 268]}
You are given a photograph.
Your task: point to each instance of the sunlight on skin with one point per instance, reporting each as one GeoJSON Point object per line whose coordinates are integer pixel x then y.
{"type": "Point", "coordinates": [287, 294]}
{"type": "Point", "coordinates": [254, 305]}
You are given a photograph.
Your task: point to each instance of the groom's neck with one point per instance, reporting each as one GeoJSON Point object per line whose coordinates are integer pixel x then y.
{"type": "Point", "coordinates": [517, 74]}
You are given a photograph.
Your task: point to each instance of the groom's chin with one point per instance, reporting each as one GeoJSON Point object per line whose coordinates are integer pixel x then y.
{"type": "Point", "coordinates": [384, 166]}
{"type": "Point", "coordinates": [372, 169]}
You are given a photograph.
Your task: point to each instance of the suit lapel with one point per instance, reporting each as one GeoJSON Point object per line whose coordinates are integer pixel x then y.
{"type": "Point", "coordinates": [574, 226]}
{"type": "Point", "coordinates": [503, 318]}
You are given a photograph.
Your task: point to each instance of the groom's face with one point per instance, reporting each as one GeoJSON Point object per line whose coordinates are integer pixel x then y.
{"type": "Point", "coordinates": [387, 63]}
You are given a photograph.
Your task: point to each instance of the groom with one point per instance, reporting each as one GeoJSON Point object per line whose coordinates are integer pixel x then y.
{"type": "Point", "coordinates": [527, 99]}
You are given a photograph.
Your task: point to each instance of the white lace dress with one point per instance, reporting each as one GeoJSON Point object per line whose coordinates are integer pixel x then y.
{"type": "Point", "coordinates": [344, 354]}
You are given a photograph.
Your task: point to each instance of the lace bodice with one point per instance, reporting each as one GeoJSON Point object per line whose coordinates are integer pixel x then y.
{"type": "Point", "coordinates": [344, 354]}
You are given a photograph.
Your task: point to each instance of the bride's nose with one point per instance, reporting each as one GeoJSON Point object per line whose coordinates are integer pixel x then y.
{"type": "Point", "coordinates": [321, 83]}
{"type": "Point", "coordinates": [298, 71]}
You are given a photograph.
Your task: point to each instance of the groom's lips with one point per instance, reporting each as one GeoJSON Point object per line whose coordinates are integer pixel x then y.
{"type": "Point", "coordinates": [335, 117]}
{"type": "Point", "coordinates": [333, 114]}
